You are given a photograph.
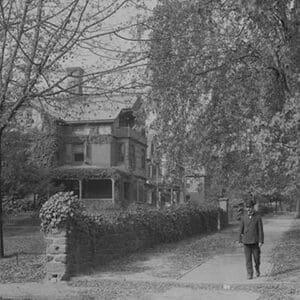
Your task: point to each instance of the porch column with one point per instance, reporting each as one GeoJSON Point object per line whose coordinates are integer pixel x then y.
{"type": "Point", "coordinates": [113, 190]}
{"type": "Point", "coordinates": [80, 189]}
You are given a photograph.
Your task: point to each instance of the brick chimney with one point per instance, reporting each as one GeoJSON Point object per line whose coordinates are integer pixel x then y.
{"type": "Point", "coordinates": [75, 80]}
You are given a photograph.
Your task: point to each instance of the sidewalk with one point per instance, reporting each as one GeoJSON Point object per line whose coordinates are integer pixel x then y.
{"type": "Point", "coordinates": [231, 269]}
{"type": "Point", "coordinates": [227, 270]}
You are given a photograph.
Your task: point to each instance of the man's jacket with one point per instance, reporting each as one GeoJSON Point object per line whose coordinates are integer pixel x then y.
{"type": "Point", "coordinates": [251, 229]}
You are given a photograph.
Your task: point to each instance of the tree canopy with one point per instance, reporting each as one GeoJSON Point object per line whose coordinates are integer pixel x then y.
{"type": "Point", "coordinates": [224, 88]}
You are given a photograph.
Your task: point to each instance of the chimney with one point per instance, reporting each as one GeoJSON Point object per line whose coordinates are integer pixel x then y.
{"type": "Point", "coordinates": [75, 80]}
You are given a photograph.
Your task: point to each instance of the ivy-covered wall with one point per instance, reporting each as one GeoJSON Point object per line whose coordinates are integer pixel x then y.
{"type": "Point", "coordinates": [87, 241]}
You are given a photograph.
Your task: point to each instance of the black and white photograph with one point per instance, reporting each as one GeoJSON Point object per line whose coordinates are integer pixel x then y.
{"type": "Point", "coordinates": [149, 149]}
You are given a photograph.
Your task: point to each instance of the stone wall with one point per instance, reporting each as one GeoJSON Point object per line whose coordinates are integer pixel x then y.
{"type": "Point", "coordinates": [56, 255]}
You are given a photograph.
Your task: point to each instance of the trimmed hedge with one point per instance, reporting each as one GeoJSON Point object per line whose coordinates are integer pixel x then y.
{"type": "Point", "coordinates": [92, 241]}
{"type": "Point", "coordinates": [96, 240]}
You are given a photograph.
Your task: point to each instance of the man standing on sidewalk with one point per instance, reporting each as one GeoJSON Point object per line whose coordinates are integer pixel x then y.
{"type": "Point", "coordinates": [251, 234]}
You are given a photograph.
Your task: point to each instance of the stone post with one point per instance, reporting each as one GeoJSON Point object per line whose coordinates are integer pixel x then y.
{"type": "Point", "coordinates": [223, 205]}
{"type": "Point", "coordinates": [56, 254]}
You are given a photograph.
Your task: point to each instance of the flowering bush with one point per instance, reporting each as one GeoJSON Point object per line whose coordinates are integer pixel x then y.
{"type": "Point", "coordinates": [58, 209]}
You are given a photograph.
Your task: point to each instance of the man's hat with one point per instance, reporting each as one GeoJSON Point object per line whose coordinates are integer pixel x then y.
{"type": "Point", "coordinates": [249, 203]}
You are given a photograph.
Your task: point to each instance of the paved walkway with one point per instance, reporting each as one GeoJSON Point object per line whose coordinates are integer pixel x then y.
{"type": "Point", "coordinates": [231, 269]}
{"type": "Point", "coordinates": [227, 270]}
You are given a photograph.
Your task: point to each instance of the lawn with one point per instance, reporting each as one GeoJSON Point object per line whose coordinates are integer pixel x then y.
{"type": "Point", "coordinates": [286, 256]}
{"type": "Point", "coordinates": [24, 248]}
{"type": "Point", "coordinates": [286, 267]}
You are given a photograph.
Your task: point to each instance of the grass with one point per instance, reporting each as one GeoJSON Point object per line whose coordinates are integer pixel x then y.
{"type": "Point", "coordinates": [24, 249]}
{"type": "Point", "coordinates": [286, 256]}
{"type": "Point", "coordinates": [286, 266]}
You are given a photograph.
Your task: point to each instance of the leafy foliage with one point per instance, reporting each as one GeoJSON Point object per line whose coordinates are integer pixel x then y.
{"type": "Point", "coordinates": [224, 91]}
{"type": "Point", "coordinates": [28, 158]}
{"type": "Point", "coordinates": [58, 209]}
{"type": "Point", "coordinates": [22, 174]}
{"type": "Point", "coordinates": [159, 226]}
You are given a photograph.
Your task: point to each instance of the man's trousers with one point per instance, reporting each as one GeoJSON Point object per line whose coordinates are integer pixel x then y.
{"type": "Point", "coordinates": [252, 250]}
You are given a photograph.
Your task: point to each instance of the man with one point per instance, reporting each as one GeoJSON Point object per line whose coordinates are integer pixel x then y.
{"type": "Point", "coordinates": [251, 234]}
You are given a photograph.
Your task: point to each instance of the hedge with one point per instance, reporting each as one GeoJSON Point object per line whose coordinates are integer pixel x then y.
{"type": "Point", "coordinates": [95, 240]}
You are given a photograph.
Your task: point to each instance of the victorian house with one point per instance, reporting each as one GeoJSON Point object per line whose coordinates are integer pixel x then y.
{"type": "Point", "coordinates": [102, 154]}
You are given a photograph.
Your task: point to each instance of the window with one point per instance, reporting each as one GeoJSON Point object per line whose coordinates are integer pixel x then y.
{"type": "Point", "coordinates": [149, 175]}
{"type": "Point", "coordinates": [143, 159]}
{"type": "Point", "coordinates": [127, 119]}
{"type": "Point", "coordinates": [153, 175]}
{"type": "Point", "coordinates": [132, 156]}
{"type": "Point", "coordinates": [78, 152]}
{"type": "Point", "coordinates": [126, 190]}
{"type": "Point", "coordinates": [152, 149]}
{"type": "Point", "coordinates": [80, 130]}
{"type": "Point", "coordinates": [104, 129]}
{"type": "Point", "coordinates": [78, 157]}
{"type": "Point", "coordinates": [97, 189]}
{"type": "Point", "coordinates": [121, 152]}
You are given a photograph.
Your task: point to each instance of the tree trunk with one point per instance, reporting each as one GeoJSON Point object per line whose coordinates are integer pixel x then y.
{"type": "Point", "coordinates": [297, 215]}
{"type": "Point", "coordinates": [1, 203]}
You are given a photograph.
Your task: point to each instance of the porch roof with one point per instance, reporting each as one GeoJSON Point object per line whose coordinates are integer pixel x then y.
{"type": "Point", "coordinates": [87, 172]}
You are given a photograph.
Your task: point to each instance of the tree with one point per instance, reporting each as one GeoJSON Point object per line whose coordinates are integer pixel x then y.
{"type": "Point", "coordinates": [37, 38]}
{"type": "Point", "coordinates": [224, 87]}
{"type": "Point", "coordinates": [28, 155]}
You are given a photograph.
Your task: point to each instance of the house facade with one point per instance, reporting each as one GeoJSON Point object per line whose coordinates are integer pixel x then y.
{"type": "Point", "coordinates": [102, 157]}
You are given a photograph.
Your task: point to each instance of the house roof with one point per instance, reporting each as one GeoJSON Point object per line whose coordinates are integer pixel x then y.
{"type": "Point", "coordinates": [92, 108]}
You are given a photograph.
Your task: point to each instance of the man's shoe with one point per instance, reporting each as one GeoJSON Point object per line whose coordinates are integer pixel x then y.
{"type": "Point", "coordinates": [249, 276]}
{"type": "Point", "coordinates": [257, 273]}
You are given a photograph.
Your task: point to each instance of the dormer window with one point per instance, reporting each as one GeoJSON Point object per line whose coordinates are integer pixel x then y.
{"type": "Point", "coordinates": [127, 119]}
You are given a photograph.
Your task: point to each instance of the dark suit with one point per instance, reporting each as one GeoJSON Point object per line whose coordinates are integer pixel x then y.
{"type": "Point", "coordinates": [251, 233]}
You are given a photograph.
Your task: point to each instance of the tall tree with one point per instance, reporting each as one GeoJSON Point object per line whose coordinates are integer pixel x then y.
{"type": "Point", "coordinates": [224, 88]}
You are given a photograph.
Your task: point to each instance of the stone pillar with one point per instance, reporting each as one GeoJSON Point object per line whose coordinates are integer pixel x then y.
{"type": "Point", "coordinates": [223, 205]}
{"type": "Point", "coordinates": [56, 254]}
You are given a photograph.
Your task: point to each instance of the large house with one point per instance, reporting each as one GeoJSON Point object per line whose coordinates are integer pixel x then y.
{"type": "Point", "coordinates": [102, 155]}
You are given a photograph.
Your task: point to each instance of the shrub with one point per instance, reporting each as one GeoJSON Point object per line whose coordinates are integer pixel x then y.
{"type": "Point", "coordinates": [58, 209]}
